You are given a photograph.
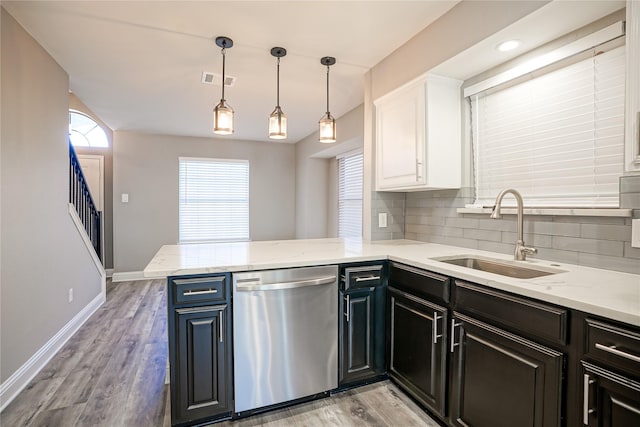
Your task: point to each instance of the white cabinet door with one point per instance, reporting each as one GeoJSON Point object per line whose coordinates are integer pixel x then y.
{"type": "Point", "coordinates": [632, 113]}
{"type": "Point", "coordinates": [400, 121]}
{"type": "Point", "coordinates": [418, 144]}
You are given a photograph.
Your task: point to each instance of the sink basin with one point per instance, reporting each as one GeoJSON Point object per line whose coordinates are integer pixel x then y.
{"type": "Point", "coordinates": [501, 267]}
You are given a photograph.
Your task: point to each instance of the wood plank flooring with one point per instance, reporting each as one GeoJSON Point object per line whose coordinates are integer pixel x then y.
{"type": "Point", "coordinates": [112, 373]}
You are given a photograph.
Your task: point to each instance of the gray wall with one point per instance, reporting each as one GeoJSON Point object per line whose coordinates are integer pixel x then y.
{"type": "Point", "coordinates": [316, 176]}
{"type": "Point", "coordinates": [145, 166]}
{"type": "Point", "coordinates": [42, 254]}
{"type": "Point", "coordinates": [601, 242]}
{"type": "Point", "coordinates": [107, 153]}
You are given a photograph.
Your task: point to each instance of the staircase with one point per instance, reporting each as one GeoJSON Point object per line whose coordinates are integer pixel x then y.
{"type": "Point", "coordinates": [80, 197]}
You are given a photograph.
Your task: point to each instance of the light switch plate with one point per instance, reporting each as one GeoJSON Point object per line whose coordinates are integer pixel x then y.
{"type": "Point", "coordinates": [382, 220]}
{"type": "Point", "coordinates": [125, 198]}
{"type": "Point", "coordinates": [635, 233]}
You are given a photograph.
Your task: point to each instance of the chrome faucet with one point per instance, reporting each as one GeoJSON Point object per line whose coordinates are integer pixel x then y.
{"type": "Point", "coordinates": [521, 251]}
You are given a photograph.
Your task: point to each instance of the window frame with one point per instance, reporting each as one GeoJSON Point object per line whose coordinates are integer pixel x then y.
{"type": "Point", "coordinates": [187, 237]}
{"type": "Point", "coordinates": [340, 202]}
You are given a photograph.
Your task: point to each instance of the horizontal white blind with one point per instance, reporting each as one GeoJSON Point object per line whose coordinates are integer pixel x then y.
{"type": "Point", "coordinates": [558, 138]}
{"type": "Point", "coordinates": [214, 200]}
{"type": "Point", "coordinates": [350, 171]}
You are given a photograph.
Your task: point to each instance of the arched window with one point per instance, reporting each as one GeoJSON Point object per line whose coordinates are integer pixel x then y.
{"type": "Point", "coordinates": [85, 132]}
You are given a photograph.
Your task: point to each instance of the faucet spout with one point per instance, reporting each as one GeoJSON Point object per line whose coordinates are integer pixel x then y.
{"type": "Point", "coordinates": [521, 250]}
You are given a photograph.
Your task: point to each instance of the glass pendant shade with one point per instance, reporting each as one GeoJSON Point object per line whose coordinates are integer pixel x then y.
{"type": "Point", "coordinates": [223, 119]}
{"type": "Point", "coordinates": [327, 129]}
{"type": "Point", "coordinates": [277, 124]}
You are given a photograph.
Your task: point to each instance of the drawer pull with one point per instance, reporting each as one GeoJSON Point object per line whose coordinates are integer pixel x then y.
{"type": "Point", "coordinates": [585, 400]}
{"type": "Point", "coordinates": [613, 350]}
{"type": "Point", "coordinates": [205, 292]}
{"type": "Point", "coordinates": [367, 278]}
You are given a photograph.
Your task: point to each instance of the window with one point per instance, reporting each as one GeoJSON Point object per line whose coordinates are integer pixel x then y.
{"type": "Point", "coordinates": [350, 169]}
{"type": "Point", "coordinates": [557, 138]}
{"type": "Point", "coordinates": [85, 132]}
{"type": "Point", "coordinates": [214, 200]}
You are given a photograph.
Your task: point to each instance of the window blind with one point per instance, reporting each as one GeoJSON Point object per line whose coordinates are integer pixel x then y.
{"type": "Point", "coordinates": [350, 172]}
{"type": "Point", "coordinates": [214, 200]}
{"type": "Point", "coordinates": [558, 138]}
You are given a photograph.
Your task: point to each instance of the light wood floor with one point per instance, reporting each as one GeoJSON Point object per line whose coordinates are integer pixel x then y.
{"type": "Point", "coordinates": [112, 373]}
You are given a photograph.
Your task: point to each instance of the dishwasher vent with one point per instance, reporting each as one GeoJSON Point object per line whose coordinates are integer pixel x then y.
{"type": "Point", "coordinates": [215, 79]}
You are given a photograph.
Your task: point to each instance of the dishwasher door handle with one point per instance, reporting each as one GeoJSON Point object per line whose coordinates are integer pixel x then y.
{"type": "Point", "coordinates": [255, 285]}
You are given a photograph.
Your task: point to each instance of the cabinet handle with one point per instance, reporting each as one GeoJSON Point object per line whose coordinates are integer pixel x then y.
{"type": "Point", "coordinates": [348, 310]}
{"type": "Point", "coordinates": [221, 326]}
{"type": "Point", "coordinates": [435, 327]}
{"type": "Point", "coordinates": [418, 174]}
{"type": "Point", "coordinates": [367, 278]}
{"type": "Point", "coordinates": [585, 400]}
{"type": "Point", "coordinates": [208, 291]}
{"type": "Point", "coordinates": [453, 334]}
{"type": "Point", "coordinates": [613, 350]}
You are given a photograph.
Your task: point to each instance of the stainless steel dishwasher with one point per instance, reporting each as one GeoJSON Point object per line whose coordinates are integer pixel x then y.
{"type": "Point", "coordinates": [285, 335]}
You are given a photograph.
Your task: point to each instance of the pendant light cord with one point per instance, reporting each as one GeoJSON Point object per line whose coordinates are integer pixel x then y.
{"type": "Point", "coordinates": [327, 90]}
{"type": "Point", "coordinates": [223, 64]}
{"type": "Point", "coordinates": [278, 85]}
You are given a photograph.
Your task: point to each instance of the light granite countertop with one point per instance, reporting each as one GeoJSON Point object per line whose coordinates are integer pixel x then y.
{"type": "Point", "coordinates": [605, 293]}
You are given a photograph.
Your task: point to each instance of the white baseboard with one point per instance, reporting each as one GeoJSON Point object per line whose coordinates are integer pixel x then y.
{"type": "Point", "coordinates": [21, 378]}
{"type": "Point", "coordinates": [109, 272]}
{"type": "Point", "coordinates": [127, 276]}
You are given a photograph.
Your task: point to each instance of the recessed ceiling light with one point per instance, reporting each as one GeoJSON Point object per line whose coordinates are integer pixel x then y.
{"type": "Point", "coordinates": [508, 45]}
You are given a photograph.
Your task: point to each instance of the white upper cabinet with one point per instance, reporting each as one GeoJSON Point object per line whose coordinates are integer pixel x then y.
{"type": "Point", "coordinates": [418, 143]}
{"type": "Point", "coordinates": [632, 111]}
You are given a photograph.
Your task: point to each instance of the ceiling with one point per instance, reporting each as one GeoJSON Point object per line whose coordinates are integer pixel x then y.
{"type": "Point", "coordinates": [138, 65]}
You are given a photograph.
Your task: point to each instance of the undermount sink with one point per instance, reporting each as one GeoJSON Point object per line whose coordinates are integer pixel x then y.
{"type": "Point", "coordinates": [501, 267]}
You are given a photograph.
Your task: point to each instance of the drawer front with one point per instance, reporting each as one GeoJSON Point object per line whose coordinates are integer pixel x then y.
{"type": "Point", "coordinates": [419, 282]}
{"type": "Point", "coordinates": [362, 277]}
{"type": "Point", "coordinates": [538, 319]}
{"type": "Point", "coordinates": [614, 346]}
{"type": "Point", "coordinates": [199, 289]}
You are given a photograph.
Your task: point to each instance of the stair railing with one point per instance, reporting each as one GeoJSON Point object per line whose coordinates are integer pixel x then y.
{"type": "Point", "coordinates": [80, 196]}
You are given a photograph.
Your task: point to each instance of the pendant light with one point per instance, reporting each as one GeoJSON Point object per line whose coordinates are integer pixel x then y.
{"type": "Point", "coordinates": [223, 113]}
{"type": "Point", "coordinates": [327, 122]}
{"type": "Point", "coordinates": [277, 119]}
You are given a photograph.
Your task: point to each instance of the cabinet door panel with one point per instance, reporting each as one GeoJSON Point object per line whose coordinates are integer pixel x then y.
{"type": "Point", "coordinates": [502, 380]}
{"type": "Point", "coordinates": [417, 357]}
{"type": "Point", "coordinates": [201, 390]}
{"type": "Point", "coordinates": [609, 399]}
{"type": "Point", "coordinates": [362, 334]}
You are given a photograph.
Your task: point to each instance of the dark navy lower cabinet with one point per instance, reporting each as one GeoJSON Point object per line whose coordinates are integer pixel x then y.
{"type": "Point", "coordinates": [200, 348]}
{"type": "Point", "coordinates": [362, 328]}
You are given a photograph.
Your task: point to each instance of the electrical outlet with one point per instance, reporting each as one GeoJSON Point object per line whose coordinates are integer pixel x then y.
{"type": "Point", "coordinates": [382, 220]}
{"type": "Point", "coordinates": [70, 294]}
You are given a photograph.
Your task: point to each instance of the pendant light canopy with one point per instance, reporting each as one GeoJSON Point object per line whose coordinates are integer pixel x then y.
{"type": "Point", "coordinates": [327, 122]}
{"type": "Point", "coordinates": [277, 119]}
{"type": "Point", "coordinates": [223, 113]}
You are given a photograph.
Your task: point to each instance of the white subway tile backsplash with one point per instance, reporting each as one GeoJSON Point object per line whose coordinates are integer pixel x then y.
{"type": "Point", "coordinates": [431, 216]}
{"type": "Point", "coordinates": [606, 232]}
{"type": "Point", "coordinates": [592, 246]}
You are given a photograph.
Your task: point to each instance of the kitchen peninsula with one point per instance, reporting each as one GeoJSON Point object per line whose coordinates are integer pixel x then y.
{"type": "Point", "coordinates": [605, 293]}
{"type": "Point", "coordinates": [450, 336]}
